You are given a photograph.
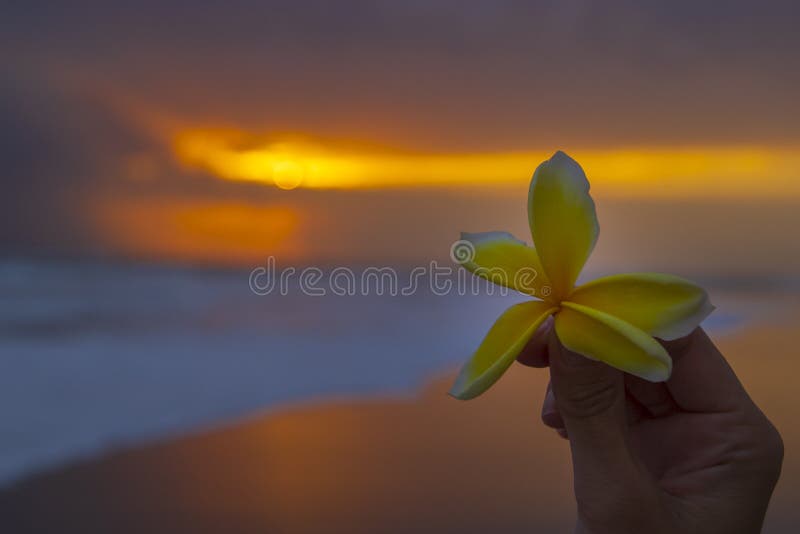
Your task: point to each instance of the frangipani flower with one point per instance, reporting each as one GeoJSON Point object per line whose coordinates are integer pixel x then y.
{"type": "Point", "coordinates": [614, 319]}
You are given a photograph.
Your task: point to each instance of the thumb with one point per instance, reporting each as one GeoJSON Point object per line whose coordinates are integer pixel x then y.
{"type": "Point", "coordinates": [590, 396]}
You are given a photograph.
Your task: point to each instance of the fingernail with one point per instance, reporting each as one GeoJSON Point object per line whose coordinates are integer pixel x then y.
{"type": "Point", "coordinates": [552, 419]}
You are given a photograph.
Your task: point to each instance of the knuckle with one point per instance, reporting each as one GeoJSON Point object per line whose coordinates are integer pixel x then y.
{"type": "Point", "coordinates": [588, 398]}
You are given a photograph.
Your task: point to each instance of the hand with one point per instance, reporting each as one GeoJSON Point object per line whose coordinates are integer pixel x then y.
{"type": "Point", "coordinates": [693, 454]}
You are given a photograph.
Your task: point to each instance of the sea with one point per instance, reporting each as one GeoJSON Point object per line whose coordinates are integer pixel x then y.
{"type": "Point", "coordinates": [97, 356]}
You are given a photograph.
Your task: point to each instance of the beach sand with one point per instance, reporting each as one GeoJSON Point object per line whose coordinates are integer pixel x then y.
{"type": "Point", "coordinates": [396, 465]}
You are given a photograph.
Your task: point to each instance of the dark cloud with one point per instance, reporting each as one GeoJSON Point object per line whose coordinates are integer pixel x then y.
{"type": "Point", "coordinates": [62, 153]}
{"type": "Point", "coordinates": [56, 150]}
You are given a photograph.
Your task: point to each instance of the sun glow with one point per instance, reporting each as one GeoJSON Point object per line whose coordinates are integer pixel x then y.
{"type": "Point", "coordinates": [289, 163]}
{"type": "Point", "coordinates": [221, 232]}
{"type": "Point", "coordinates": [285, 163]}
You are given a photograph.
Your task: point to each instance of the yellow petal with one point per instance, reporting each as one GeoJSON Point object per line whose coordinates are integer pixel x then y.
{"type": "Point", "coordinates": [563, 220]}
{"type": "Point", "coordinates": [500, 347]}
{"type": "Point", "coordinates": [502, 259]}
{"type": "Point", "coordinates": [600, 336]}
{"type": "Point", "coordinates": [662, 305]}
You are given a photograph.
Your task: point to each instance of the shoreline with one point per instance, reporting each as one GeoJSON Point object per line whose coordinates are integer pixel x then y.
{"type": "Point", "coordinates": [143, 428]}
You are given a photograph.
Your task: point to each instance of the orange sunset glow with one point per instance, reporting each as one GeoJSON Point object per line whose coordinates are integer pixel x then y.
{"type": "Point", "coordinates": [225, 233]}
{"type": "Point", "coordinates": [289, 163]}
{"type": "Point", "coordinates": [326, 149]}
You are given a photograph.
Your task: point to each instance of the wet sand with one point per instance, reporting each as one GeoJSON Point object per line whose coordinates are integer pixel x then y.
{"type": "Point", "coordinates": [424, 463]}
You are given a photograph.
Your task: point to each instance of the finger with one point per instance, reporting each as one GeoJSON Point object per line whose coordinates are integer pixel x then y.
{"type": "Point", "coordinates": [702, 380]}
{"type": "Point", "coordinates": [590, 396]}
{"type": "Point", "coordinates": [550, 415]}
{"type": "Point", "coordinates": [552, 418]}
{"type": "Point", "coordinates": [654, 398]}
{"type": "Point", "coordinates": [535, 352]}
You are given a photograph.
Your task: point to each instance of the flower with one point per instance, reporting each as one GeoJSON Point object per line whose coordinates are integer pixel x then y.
{"type": "Point", "coordinates": [614, 319]}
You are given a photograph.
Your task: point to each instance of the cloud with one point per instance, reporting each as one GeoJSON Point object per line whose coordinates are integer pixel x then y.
{"type": "Point", "coordinates": [429, 76]}
{"type": "Point", "coordinates": [444, 75]}
{"type": "Point", "coordinates": [55, 150]}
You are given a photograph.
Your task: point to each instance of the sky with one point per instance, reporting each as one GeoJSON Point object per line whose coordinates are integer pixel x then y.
{"type": "Point", "coordinates": [224, 132]}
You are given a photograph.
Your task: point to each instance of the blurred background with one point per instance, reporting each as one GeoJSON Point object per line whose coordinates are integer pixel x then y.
{"type": "Point", "coordinates": [154, 153]}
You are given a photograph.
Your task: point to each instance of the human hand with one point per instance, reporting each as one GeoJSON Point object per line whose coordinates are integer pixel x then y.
{"type": "Point", "coordinates": [693, 454]}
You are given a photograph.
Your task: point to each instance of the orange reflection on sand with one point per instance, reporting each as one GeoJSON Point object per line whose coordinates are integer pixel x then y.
{"type": "Point", "coordinates": [222, 232]}
{"type": "Point", "coordinates": [356, 466]}
{"type": "Point", "coordinates": [290, 162]}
